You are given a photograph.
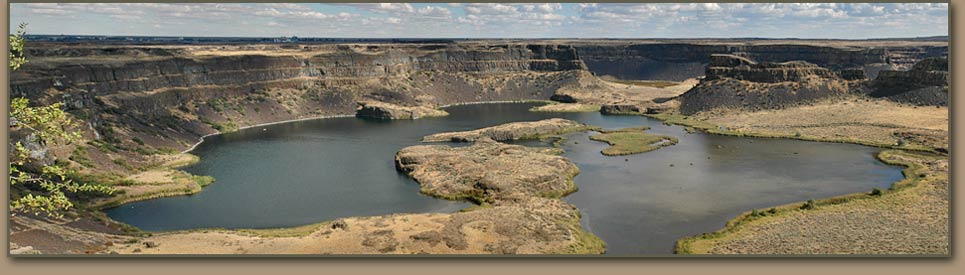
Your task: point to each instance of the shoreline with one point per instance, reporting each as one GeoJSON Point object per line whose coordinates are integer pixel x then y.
{"type": "Point", "coordinates": [715, 130]}
{"type": "Point", "coordinates": [730, 225]}
{"type": "Point", "coordinates": [683, 246]}
{"type": "Point", "coordinates": [580, 242]}
{"type": "Point", "coordinates": [911, 179]}
{"type": "Point", "coordinates": [201, 139]}
{"type": "Point", "coordinates": [495, 102]}
{"type": "Point", "coordinates": [109, 204]}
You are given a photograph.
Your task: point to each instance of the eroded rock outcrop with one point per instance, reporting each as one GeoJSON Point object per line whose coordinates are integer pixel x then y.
{"type": "Point", "coordinates": [734, 82]}
{"type": "Point", "coordinates": [513, 131]}
{"type": "Point", "coordinates": [926, 83]}
{"type": "Point", "coordinates": [488, 170]}
{"type": "Point", "coordinates": [382, 110]}
{"type": "Point", "coordinates": [736, 67]}
{"type": "Point", "coordinates": [683, 59]}
{"type": "Point", "coordinates": [619, 109]}
{"type": "Point", "coordinates": [509, 182]}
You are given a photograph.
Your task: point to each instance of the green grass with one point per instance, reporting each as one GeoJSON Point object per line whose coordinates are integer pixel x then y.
{"type": "Point", "coordinates": [79, 155]}
{"type": "Point", "coordinates": [180, 178]}
{"type": "Point", "coordinates": [584, 241]}
{"type": "Point", "coordinates": [202, 180]}
{"type": "Point", "coordinates": [218, 104]}
{"type": "Point", "coordinates": [221, 127]}
{"type": "Point", "coordinates": [105, 147]}
{"type": "Point", "coordinates": [630, 141]}
{"type": "Point", "coordinates": [123, 163]}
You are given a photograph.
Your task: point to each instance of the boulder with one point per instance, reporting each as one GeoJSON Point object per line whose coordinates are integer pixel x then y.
{"type": "Point", "coordinates": [619, 108]}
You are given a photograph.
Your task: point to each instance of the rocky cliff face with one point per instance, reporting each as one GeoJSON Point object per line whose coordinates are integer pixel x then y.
{"type": "Point", "coordinates": [730, 66]}
{"type": "Point", "coordinates": [679, 61]}
{"type": "Point", "coordinates": [734, 82]}
{"type": "Point", "coordinates": [166, 97]}
{"type": "Point", "coordinates": [926, 83]}
{"type": "Point", "coordinates": [106, 71]}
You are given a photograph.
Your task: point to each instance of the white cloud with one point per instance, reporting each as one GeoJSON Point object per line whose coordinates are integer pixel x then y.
{"type": "Point", "coordinates": [494, 19]}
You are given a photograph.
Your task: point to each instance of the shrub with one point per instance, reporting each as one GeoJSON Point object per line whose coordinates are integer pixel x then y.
{"type": "Point", "coordinates": [80, 156]}
{"type": "Point", "coordinates": [810, 204]}
{"type": "Point", "coordinates": [755, 213]}
{"type": "Point", "coordinates": [123, 163]}
{"type": "Point", "coordinates": [876, 192]}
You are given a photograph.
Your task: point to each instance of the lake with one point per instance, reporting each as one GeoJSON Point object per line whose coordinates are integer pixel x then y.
{"type": "Point", "coordinates": [306, 172]}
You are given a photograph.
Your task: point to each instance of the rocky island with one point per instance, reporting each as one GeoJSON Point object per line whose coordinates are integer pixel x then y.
{"type": "Point", "coordinates": [630, 141]}
{"type": "Point", "coordinates": [513, 131]}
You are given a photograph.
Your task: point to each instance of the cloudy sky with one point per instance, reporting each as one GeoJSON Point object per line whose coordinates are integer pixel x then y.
{"type": "Point", "coordinates": [482, 20]}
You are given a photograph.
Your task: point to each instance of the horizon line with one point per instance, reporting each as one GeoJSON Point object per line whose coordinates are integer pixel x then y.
{"type": "Point", "coordinates": [495, 38]}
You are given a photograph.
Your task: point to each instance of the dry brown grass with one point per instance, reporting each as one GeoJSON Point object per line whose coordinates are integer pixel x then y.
{"type": "Point", "coordinates": [913, 219]}
{"type": "Point", "coordinates": [873, 121]}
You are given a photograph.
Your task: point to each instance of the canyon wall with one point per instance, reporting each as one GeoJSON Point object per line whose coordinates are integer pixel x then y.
{"type": "Point", "coordinates": [679, 61]}
{"type": "Point", "coordinates": [734, 82]}
{"type": "Point", "coordinates": [137, 100]}
{"type": "Point", "coordinates": [926, 83]}
{"type": "Point", "coordinates": [167, 96]}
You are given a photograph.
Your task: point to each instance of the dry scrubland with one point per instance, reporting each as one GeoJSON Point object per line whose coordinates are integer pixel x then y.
{"type": "Point", "coordinates": [861, 120]}
{"type": "Point", "coordinates": [534, 226]}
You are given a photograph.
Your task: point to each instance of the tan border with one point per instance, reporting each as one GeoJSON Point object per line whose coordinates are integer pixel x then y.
{"type": "Point", "coordinates": [495, 266]}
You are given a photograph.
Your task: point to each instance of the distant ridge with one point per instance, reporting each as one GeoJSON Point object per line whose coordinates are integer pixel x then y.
{"type": "Point", "coordinates": [134, 39]}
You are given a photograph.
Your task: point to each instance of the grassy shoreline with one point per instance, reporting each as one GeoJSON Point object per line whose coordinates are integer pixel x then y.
{"type": "Point", "coordinates": [706, 127]}
{"type": "Point", "coordinates": [634, 140]}
{"type": "Point", "coordinates": [913, 175]}
{"type": "Point", "coordinates": [181, 184]}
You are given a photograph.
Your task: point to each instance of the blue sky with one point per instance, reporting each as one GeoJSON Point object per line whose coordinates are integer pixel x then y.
{"type": "Point", "coordinates": [487, 20]}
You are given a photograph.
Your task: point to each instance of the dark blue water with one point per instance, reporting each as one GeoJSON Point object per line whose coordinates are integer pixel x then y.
{"type": "Point", "coordinates": [306, 172]}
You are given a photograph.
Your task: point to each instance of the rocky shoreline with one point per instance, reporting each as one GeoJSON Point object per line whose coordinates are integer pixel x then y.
{"type": "Point", "coordinates": [634, 140]}
{"type": "Point", "coordinates": [911, 217]}
{"type": "Point", "coordinates": [516, 189]}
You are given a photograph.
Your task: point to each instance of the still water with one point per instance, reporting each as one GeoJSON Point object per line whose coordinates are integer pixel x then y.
{"type": "Point", "coordinates": [310, 171]}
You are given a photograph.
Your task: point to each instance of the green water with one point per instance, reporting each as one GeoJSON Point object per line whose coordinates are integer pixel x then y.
{"type": "Point", "coordinates": [310, 171]}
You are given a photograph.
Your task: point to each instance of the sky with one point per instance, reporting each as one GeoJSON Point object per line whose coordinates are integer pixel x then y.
{"type": "Point", "coordinates": [489, 20]}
